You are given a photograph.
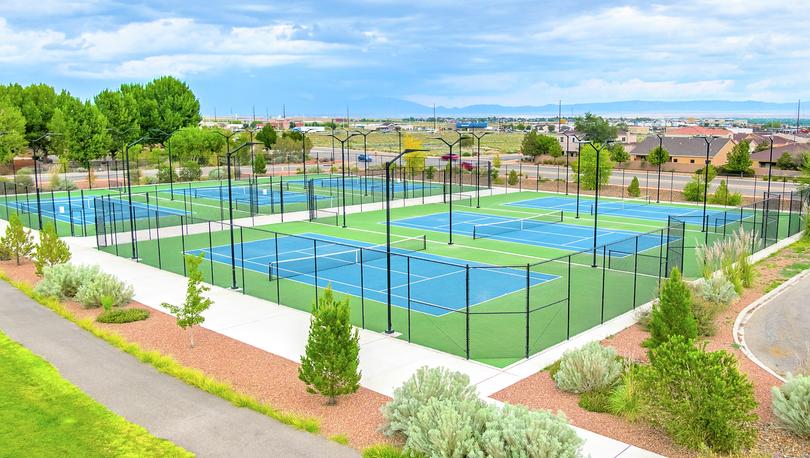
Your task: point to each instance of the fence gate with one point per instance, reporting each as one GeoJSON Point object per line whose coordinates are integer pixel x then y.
{"type": "Point", "coordinates": [676, 231]}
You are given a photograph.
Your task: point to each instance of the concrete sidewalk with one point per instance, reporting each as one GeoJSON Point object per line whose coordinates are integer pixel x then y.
{"type": "Point", "coordinates": [200, 422]}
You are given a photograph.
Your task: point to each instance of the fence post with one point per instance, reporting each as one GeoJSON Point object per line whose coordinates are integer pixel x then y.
{"type": "Point", "coordinates": [568, 303]}
{"type": "Point", "coordinates": [528, 313]}
{"type": "Point", "coordinates": [467, 307]}
{"type": "Point", "coordinates": [270, 269]}
{"type": "Point", "coordinates": [183, 245]}
{"type": "Point", "coordinates": [604, 265]}
{"type": "Point", "coordinates": [315, 261]}
{"type": "Point", "coordinates": [362, 293]}
{"type": "Point", "coordinates": [408, 276]}
{"type": "Point", "coordinates": [635, 270]}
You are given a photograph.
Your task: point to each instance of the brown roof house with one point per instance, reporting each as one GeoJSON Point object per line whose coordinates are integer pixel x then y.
{"type": "Point", "coordinates": [686, 154]}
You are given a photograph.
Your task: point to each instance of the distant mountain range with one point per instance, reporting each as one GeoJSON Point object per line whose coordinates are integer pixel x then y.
{"type": "Point", "coordinates": [397, 108]}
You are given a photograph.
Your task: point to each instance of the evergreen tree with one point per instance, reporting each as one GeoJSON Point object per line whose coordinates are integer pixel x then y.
{"type": "Point", "coordinates": [329, 365]}
{"type": "Point", "coordinates": [634, 189]}
{"type": "Point", "coordinates": [513, 178]}
{"type": "Point", "coordinates": [17, 242]}
{"type": "Point", "coordinates": [618, 154]}
{"type": "Point", "coordinates": [529, 145]}
{"type": "Point", "coordinates": [190, 312]}
{"type": "Point", "coordinates": [51, 250]}
{"type": "Point", "coordinates": [260, 165]}
{"type": "Point", "coordinates": [672, 315]}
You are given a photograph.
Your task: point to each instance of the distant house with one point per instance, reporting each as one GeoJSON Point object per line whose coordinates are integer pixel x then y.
{"type": "Point", "coordinates": [796, 150]}
{"type": "Point", "coordinates": [697, 131]}
{"type": "Point", "coordinates": [688, 152]}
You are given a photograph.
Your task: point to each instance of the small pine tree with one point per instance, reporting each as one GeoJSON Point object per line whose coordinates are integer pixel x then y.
{"type": "Point", "coordinates": [496, 161]}
{"type": "Point", "coordinates": [329, 365]}
{"type": "Point", "coordinates": [190, 312]}
{"type": "Point", "coordinates": [513, 178]}
{"type": "Point", "coordinates": [672, 315]}
{"type": "Point", "coordinates": [50, 250]}
{"type": "Point", "coordinates": [634, 189]}
{"type": "Point", "coordinates": [260, 165]}
{"type": "Point", "coordinates": [17, 242]}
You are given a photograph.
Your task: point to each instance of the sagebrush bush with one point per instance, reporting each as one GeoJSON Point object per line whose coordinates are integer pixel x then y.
{"type": "Point", "coordinates": [426, 384]}
{"type": "Point", "coordinates": [699, 398]}
{"type": "Point", "coordinates": [791, 404]}
{"type": "Point", "coordinates": [717, 289]}
{"type": "Point", "coordinates": [588, 368]}
{"type": "Point", "coordinates": [63, 280]}
{"type": "Point", "coordinates": [120, 316]}
{"type": "Point", "coordinates": [445, 427]}
{"type": "Point", "coordinates": [104, 286]}
{"type": "Point", "coordinates": [519, 432]}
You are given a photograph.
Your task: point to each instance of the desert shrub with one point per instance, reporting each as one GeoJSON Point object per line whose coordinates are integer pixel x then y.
{"type": "Point", "coordinates": [596, 400]}
{"type": "Point", "coordinates": [723, 197]}
{"type": "Point", "coordinates": [63, 280]}
{"type": "Point", "coordinates": [24, 182]}
{"type": "Point", "coordinates": [91, 293]}
{"type": "Point", "coordinates": [513, 178]}
{"type": "Point", "coordinates": [718, 290]}
{"type": "Point", "coordinates": [791, 404]}
{"type": "Point", "coordinates": [120, 316]}
{"type": "Point", "coordinates": [445, 427]}
{"type": "Point", "coordinates": [50, 250]}
{"type": "Point", "coordinates": [383, 451]}
{"type": "Point", "coordinates": [215, 174]}
{"type": "Point", "coordinates": [591, 367]}
{"type": "Point", "coordinates": [149, 180]}
{"type": "Point", "coordinates": [672, 313]}
{"type": "Point", "coordinates": [705, 313]}
{"type": "Point", "coordinates": [166, 173]}
{"type": "Point", "coordinates": [624, 399]}
{"type": "Point", "coordinates": [190, 171]}
{"type": "Point", "coordinates": [699, 398]}
{"type": "Point", "coordinates": [518, 431]}
{"type": "Point", "coordinates": [427, 383]}
{"type": "Point", "coordinates": [634, 190]}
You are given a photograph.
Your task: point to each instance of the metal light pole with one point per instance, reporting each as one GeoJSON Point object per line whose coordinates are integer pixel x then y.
{"type": "Point", "coordinates": [770, 166]}
{"type": "Point", "coordinates": [304, 155]}
{"type": "Point", "coordinates": [705, 225]}
{"type": "Point", "coordinates": [390, 328]}
{"type": "Point", "coordinates": [343, 168]}
{"type": "Point", "coordinates": [166, 138]}
{"type": "Point", "coordinates": [450, 181]}
{"type": "Point", "coordinates": [478, 167]}
{"type": "Point", "coordinates": [660, 150]}
{"type": "Point", "coordinates": [132, 228]}
{"type": "Point", "coordinates": [596, 192]}
{"type": "Point", "coordinates": [579, 171]}
{"type": "Point", "coordinates": [365, 161]}
{"type": "Point", "coordinates": [36, 174]}
{"type": "Point", "coordinates": [567, 167]}
{"type": "Point", "coordinates": [230, 211]}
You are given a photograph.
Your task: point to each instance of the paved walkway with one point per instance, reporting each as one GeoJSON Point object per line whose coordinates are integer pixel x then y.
{"type": "Point", "coordinates": [200, 422]}
{"type": "Point", "coordinates": [777, 331]}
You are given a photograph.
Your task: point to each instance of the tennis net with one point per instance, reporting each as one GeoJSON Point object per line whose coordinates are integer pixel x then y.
{"type": "Point", "coordinates": [610, 206]}
{"type": "Point", "coordinates": [341, 256]}
{"type": "Point", "coordinates": [512, 225]}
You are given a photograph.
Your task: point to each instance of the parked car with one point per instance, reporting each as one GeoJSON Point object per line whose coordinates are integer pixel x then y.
{"type": "Point", "coordinates": [449, 157]}
{"type": "Point", "coordinates": [468, 166]}
{"type": "Point", "coordinates": [364, 158]}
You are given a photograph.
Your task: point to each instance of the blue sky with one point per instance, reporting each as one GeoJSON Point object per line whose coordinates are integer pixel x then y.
{"type": "Point", "coordinates": [311, 55]}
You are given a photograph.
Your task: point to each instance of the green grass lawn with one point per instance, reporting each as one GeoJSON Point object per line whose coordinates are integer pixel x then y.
{"type": "Point", "coordinates": [42, 414]}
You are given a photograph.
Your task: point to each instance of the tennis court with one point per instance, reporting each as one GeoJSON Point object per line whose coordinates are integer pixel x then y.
{"type": "Point", "coordinates": [263, 195]}
{"type": "Point", "coordinates": [542, 230]}
{"type": "Point", "coordinates": [431, 284]}
{"type": "Point", "coordinates": [364, 183]}
{"type": "Point", "coordinates": [631, 208]}
{"type": "Point", "coordinates": [82, 211]}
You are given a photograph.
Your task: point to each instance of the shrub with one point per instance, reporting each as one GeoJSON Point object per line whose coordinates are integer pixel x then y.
{"type": "Point", "coordinates": [595, 401]}
{"type": "Point", "coordinates": [634, 189]}
{"type": "Point", "coordinates": [672, 313]}
{"type": "Point", "coordinates": [427, 383]}
{"type": "Point", "coordinates": [717, 290]}
{"type": "Point", "coordinates": [383, 451]}
{"type": "Point", "coordinates": [591, 367]}
{"type": "Point", "coordinates": [444, 427]}
{"type": "Point", "coordinates": [120, 316]}
{"type": "Point", "coordinates": [518, 431]}
{"type": "Point", "coordinates": [50, 250]}
{"type": "Point", "coordinates": [190, 171]}
{"type": "Point", "coordinates": [791, 404]}
{"type": "Point", "coordinates": [63, 280]}
{"type": "Point", "coordinates": [330, 361]}
{"type": "Point", "coordinates": [699, 398]}
{"type": "Point", "coordinates": [165, 173]}
{"type": "Point", "coordinates": [513, 178]}
{"type": "Point", "coordinates": [259, 164]}
{"type": "Point", "coordinates": [215, 174]}
{"type": "Point", "coordinates": [624, 399]}
{"type": "Point", "coordinates": [723, 197]}
{"type": "Point", "coordinates": [705, 313]}
{"type": "Point", "coordinates": [91, 293]}
{"type": "Point", "coordinates": [17, 243]}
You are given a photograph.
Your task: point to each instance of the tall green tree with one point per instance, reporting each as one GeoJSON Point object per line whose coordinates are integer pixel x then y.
{"type": "Point", "coordinates": [267, 136]}
{"type": "Point", "coordinates": [12, 123]}
{"type": "Point", "coordinates": [658, 156]}
{"type": "Point", "coordinates": [36, 103]}
{"type": "Point", "coordinates": [190, 312]}
{"type": "Point", "coordinates": [170, 104]}
{"type": "Point", "coordinates": [82, 129]}
{"type": "Point", "coordinates": [585, 167]}
{"type": "Point", "coordinates": [548, 146]}
{"type": "Point", "coordinates": [122, 113]}
{"type": "Point", "coordinates": [618, 154]}
{"type": "Point", "coordinates": [197, 144]}
{"type": "Point", "coordinates": [672, 314]}
{"type": "Point", "coordinates": [330, 362]}
{"type": "Point", "coordinates": [739, 159]}
{"type": "Point", "coordinates": [529, 145]}
{"type": "Point", "coordinates": [596, 128]}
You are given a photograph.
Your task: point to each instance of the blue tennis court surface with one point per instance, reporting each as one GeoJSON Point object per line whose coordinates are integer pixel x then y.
{"type": "Point", "coordinates": [437, 284]}
{"type": "Point", "coordinates": [262, 195]}
{"type": "Point", "coordinates": [82, 211]}
{"type": "Point", "coordinates": [551, 235]}
{"type": "Point", "coordinates": [375, 184]}
{"type": "Point", "coordinates": [630, 208]}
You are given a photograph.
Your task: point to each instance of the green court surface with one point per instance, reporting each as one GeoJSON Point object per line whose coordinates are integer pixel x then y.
{"type": "Point", "coordinates": [495, 299]}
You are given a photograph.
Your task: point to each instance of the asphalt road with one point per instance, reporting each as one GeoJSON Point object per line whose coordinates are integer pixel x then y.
{"type": "Point", "coordinates": [200, 422]}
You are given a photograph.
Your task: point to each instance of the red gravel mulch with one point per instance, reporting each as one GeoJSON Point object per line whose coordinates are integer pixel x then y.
{"type": "Point", "coordinates": [265, 376]}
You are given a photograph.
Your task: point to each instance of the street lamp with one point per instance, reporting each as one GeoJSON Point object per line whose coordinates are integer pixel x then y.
{"type": "Point", "coordinates": [343, 167]}
{"type": "Point", "coordinates": [166, 139]}
{"type": "Point", "coordinates": [365, 160]}
{"type": "Point", "coordinates": [705, 223]}
{"type": "Point", "coordinates": [596, 183]}
{"type": "Point", "coordinates": [390, 328]}
{"type": "Point", "coordinates": [770, 165]}
{"type": "Point", "coordinates": [450, 180]}
{"type": "Point", "coordinates": [567, 142]}
{"type": "Point", "coordinates": [478, 167]}
{"type": "Point", "coordinates": [660, 151]}
{"type": "Point", "coordinates": [36, 173]}
{"type": "Point", "coordinates": [579, 172]}
{"type": "Point", "coordinates": [113, 153]}
{"type": "Point", "coordinates": [133, 232]}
